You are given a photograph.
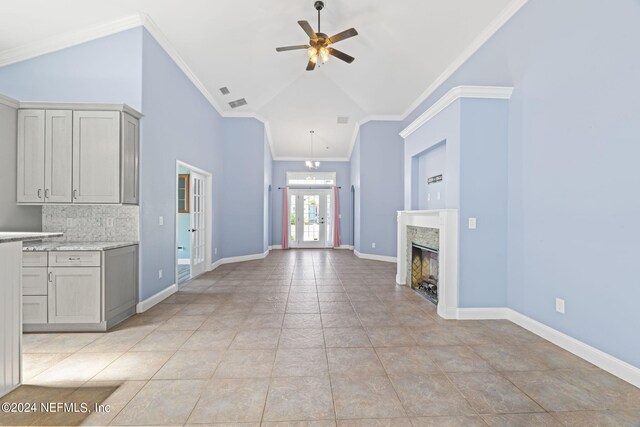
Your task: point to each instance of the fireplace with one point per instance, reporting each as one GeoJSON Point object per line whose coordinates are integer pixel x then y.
{"type": "Point", "coordinates": [424, 271]}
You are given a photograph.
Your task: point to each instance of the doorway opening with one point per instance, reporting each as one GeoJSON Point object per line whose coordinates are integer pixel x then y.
{"type": "Point", "coordinates": [310, 218]}
{"type": "Point", "coordinates": [193, 222]}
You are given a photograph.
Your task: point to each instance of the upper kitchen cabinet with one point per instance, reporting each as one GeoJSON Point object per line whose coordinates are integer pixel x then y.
{"type": "Point", "coordinates": [78, 155]}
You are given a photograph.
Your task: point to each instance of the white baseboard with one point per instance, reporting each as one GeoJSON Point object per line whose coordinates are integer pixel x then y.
{"type": "Point", "coordinates": [349, 247]}
{"type": "Point", "coordinates": [275, 247]}
{"type": "Point", "coordinates": [375, 257]}
{"type": "Point", "coordinates": [611, 364]}
{"type": "Point", "coordinates": [145, 305]}
{"type": "Point", "coordinates": [242, 258]}
{"type": "Point", "coordinates": [488, 313]}
{"type": "Point", "coordinates": [183, 261]}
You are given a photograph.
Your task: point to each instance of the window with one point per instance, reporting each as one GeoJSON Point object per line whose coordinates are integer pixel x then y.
{"type": "Point", "coordinates": [183, 193]}
{"type": "Point", "coordinates": [311, 178]}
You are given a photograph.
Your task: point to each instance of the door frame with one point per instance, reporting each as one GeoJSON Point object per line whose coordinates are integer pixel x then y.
{"type": "Point", "coordinates": [323, 192]}
{"type": "Point", "coordinates": [208, 205]}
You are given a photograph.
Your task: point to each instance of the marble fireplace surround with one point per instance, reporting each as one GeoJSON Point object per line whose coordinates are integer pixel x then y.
{"type": "Point", "coordinates": [445, 221]}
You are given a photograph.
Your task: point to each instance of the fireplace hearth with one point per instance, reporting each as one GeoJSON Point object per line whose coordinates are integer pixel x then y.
{"type": "Point", "coordinates": [424, 271]}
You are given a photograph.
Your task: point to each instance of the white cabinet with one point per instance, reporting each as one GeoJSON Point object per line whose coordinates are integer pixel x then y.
{"type": "Point", "coordinates": [57, 153]}
{"type": "Point", "coordinates": [96, 157]}
{"type": "Point", "coordinates": [31, 156]}
{"type": "Point", "coordinates": [77, 155]}
{"type": "Point", "coordinates": [79, 290]}
{"type": "Point", "coordinates": [74, 295]}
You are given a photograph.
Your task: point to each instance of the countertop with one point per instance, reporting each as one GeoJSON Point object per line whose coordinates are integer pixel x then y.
{"type": "Point", "coordinates": [75, 246]}
{"type": "Point", "coordinates": [25, 236]}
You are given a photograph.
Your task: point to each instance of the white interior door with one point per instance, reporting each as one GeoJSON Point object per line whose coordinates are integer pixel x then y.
{"type": "Point", "coordinates": [198, 224]}
{"type": "Point", "coordinates": [309, 219]}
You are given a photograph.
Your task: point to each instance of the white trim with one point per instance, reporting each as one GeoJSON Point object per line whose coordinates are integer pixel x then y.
{"type": "Point", "coordinates": [349, 247]}
{"type": "Point", "coordinates": [599, 358]}
{"type": "Point", "coordinates": [375, 257]}
{"type": "Point", "coordinates": [302, 159]}
{"type": "Point", "coordinates": [507, 13]}
{"type": "Point", "coordinates": [145, 305]}
{"type": "Point", "coordinates": [183, 261]}
{"type": "Point", "coordinates": [484, 313]}
{"type": "Point", "coordinates": [241, 258]}
{"type": "Point", "coordinates": [275, 247]}
{"type": "Point", "coordinates": [9, 102]}
{"type": "Point", "coordinates": [611, 364]}
{"type": "Point", "coordinates": [90, 106]}
{"type": "Point", "coordinates": [487, 92]}
{"type": "Point", "coordinates": [55, 43]}
{"type": "Point", "coordinates": [214, 265]}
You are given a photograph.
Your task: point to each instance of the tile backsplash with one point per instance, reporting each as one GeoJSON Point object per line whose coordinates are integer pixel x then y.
{"type": "Point", "coordinates": [96, 223]}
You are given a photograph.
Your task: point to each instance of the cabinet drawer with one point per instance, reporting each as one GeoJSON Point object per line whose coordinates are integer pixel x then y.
{"type": "Point", "coordinates": [34, 259]}
{"type": "Point", "coordinates": [34, 281]}
{"type": "Point", "coordinates": [74, 259]}
{"type": "Point", "coordinates": [34, 309]}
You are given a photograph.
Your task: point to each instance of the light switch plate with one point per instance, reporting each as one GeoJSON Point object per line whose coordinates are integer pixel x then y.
{"type": "Point", "coordinates": [109, 222]}
{"type": "Point", "coordinates": [560, 305]}
{"type": "Point", "coordinates": [161, 220]}
{"type": "Point", "coordinates": [373, 245]}
{"type": "Point", "coordinates": [472, 223]}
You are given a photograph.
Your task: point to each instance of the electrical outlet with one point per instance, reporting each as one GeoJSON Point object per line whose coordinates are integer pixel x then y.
{"type": "Point", "coordinates": [560, 305]}
{"type": "Point", "coordinates": [160, 274]}
{"type": "Point", "coordinates": [340, 216]}
{"type": "Point", "coordinates": [428, 196]}
{"type": "Point", "coordinates": [109, 222]}
{"type": "Point", "coordinates": [473, 223]}
{"type": "Point", "coordinates": [373, 245]}
{"type": "Point", "coordinates": [69, 222]}
{"type": "Point", "coordinates": [160, 220]}
{"type": "Point", "coordinates": [438, 195]}
{"type": "Point", "coordinates": [215, 251]}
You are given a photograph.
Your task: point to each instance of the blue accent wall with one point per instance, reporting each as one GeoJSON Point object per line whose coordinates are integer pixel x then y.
{"type": "Point", "coordinates": [178, 124]}
{"type": "Point", "coordinates": [107, 70]}
{"type": "Point", "coordinates": [342, 170]}
{"type": "Point", "coordinates": [431, 163]}
{"type": "Point", "coordinates": [244, 187]}
{"type": "Point", "coordinates": [572, 175]}
{"type": "Point", "coordinates": [381, 186]}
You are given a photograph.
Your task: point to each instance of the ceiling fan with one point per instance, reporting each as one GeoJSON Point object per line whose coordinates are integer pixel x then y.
{"type": "Point", "coordinates": [318, 46]}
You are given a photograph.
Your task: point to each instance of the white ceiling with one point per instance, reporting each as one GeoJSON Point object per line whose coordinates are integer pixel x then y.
{"type": "Point", "coordinates": [403, 47]}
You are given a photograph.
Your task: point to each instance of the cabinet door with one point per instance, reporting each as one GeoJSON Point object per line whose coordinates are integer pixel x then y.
{"type": "Point", "coordinates": [96, 157]}
{"type": "Point", "coordinates": [34, 309]}
{"type": "Point", "coordinates": [130, 159]}
{"type": "Point", "coordinates": [30, 156]}
{"type": "Point", "coordinates": [34, 281]}
{"type": "Point", "coordinates": [58, 156]}
{"type": "Point", "coordinates": [74, 295]}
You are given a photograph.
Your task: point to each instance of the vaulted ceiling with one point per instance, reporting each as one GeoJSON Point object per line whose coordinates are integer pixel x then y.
{"type": "Point", "coordinates": [402, 49]}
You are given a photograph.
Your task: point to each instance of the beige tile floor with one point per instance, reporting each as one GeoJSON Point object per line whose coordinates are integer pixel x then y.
{"type": "Point", "coordinates": [313, 338]}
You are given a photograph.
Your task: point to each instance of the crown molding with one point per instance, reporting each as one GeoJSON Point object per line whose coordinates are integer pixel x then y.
{"type": "Point", "coordinates": [302, 159]}
{"type": "Point", "coordinates": [53, 44]}
{"type": "Point", "coordinates": [504, 16]}
{"type": "Point", "coordinates": [487, 92]}
{"type": "Point", "coordinates": [9, 102]}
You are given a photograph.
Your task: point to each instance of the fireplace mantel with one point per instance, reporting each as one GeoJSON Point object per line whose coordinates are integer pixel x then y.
{"type": "Point", "coordinates": [446, 221]}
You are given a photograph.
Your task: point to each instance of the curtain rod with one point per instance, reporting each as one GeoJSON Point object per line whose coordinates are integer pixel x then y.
{"type": "Point", "coordinates": [321, 187]}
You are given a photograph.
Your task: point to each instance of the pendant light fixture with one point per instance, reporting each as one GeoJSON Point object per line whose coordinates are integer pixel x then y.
{"type": "Point", "coordinates": [312, 164]}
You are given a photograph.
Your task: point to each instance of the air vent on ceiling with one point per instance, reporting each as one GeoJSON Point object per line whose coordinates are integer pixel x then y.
{"type": "Point", "coordinates": [224, 90]}
{"type": "Point", "coordinates": [343, 120]}
{"type": "Point", "coordinates": [238, 103]}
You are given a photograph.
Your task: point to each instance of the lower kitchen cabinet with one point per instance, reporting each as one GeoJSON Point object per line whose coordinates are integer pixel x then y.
{"type": "Point", "coordinates": [79, 290]}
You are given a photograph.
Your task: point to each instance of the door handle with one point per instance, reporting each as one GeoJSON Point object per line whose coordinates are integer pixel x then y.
{"type": "Point", "coordinates": [74, 258]}
{"type": "Point", "coordinates": [46, 193]}
{"type": "Point", "coordinates": [50, 277]}
{"type": "Point", "coordinates": [75, 194]}
{"type": "Point", "coordinates": [193, 230]}
{"type": "Point", "coordinates": [39, 193]}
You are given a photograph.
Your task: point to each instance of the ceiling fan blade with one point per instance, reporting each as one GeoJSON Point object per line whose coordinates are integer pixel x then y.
{"type": "Point", "coordinates": [311, 65]}
{"type": "Point", "coordinates": [300, 46]}
{"type": "Point", "coordinates": [307, 29]}
{"type": "Point", "coordinates": [341, 55]}
{"type": "Point", "coordinates": [343, 35]}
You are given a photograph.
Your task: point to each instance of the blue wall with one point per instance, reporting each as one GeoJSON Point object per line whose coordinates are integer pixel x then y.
{"type": "Point", "coordinates": [381, 186]}
{"type": "Point", "coordinates": [342, 170]}
{"type": "Point", "coordinates": [244, 187]}
{"type": "Point", "coordinates": [355, 187]}
{"type": "Point", "coordinates": [107, 70]}
{"type": "Point", "coordinates": [572, 164]}
{"type": "Point", "coordinates": [178, 124]}
{"type": "Point", "coordinates": [431, 163]}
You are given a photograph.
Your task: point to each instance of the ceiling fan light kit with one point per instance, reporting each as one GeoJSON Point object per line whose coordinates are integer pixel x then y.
{"type": "Point", "coordinates": [318, 47]}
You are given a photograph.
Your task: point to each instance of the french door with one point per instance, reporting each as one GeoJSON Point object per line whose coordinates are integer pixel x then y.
{"type": "Point", "coordinates": [310, 222]}
{"type": "Point", "coordinates": [198, 224]}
